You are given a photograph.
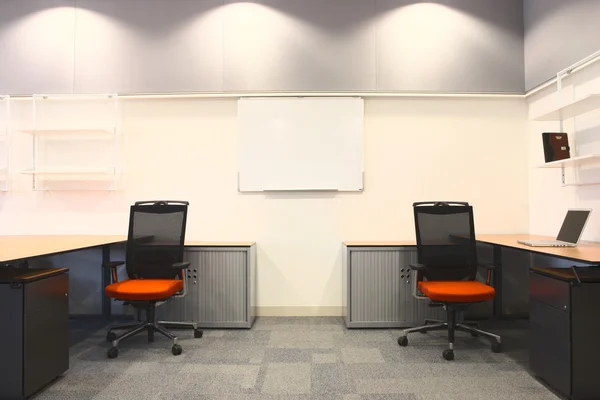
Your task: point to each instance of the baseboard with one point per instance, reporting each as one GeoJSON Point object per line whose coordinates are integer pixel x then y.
{"type": "Point", "coordinates": [299, 311]}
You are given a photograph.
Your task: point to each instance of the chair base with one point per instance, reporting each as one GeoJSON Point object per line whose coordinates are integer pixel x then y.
{"type": "Point", "coordinates": [452, 326]}
{"type": "Point", "coordinates": [150, 326]}
{"type": "Point", "coordinates": [474, 324]}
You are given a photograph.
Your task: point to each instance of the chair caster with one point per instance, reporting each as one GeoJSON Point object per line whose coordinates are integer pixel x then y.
{"type": "Point", "coordinates": [448, 354]}
{"type": "Point", "coordinates": [403, 341]}
{"type": "Point", "coordinates": [496, 347]}
{"type": "Point", "coordinates": [110, 336]}
{"type": "Point", "coordinates": [198, 333]}
{"type": "Point", "coordinates": [176, 350]}
{"type": "Point", "coordinates": [113, 352]}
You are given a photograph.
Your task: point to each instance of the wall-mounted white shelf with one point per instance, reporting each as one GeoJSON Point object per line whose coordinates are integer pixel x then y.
{"type": "Point", "coordinates": [574, 109]}
{"type": "Point", "coordinates": [581, 184]}
{"type": "Point", "coordinates": [74, 142]}
{"type": "Point", "coordinates": [71, 134]}
{"type": "Point", "coordinates": [571, 110]}
{"type": "Point", "coordinates": [69, 131]}
{"type": "Point", "coordinates": [572, 162]}
{"type": "Point", "coordinates": [59, 174]}
{"type": "Point", "coordinates": [68, 171]}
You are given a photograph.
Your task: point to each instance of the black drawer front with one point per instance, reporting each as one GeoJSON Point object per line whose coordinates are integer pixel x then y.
{"type": "Point", "coordinates": [551, 320]}
{"type": "Point", "coordinates": [46, 332]}
{"type": "Point", "coordinates": [38, 294]}
{"type": "Point", "coordinates": [550, 291]}
{"type": "Point", "coordinates": [11, 342]}
{"type": "Point", "coordinates": [550, 358]}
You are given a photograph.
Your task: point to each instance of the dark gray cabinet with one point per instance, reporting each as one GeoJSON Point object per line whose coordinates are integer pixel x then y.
{"type": "Point", "coordinates": [550, 339]}
{"type": "Point", "coordinates": [564, 318]}
{"type": "Point", "coordinates": [34, 335]}
{"type": "Point", "coordinates": [378, 288]}
{"type": "Point", "coordinates": [221, 288]}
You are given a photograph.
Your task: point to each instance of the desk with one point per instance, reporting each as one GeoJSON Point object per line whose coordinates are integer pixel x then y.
{"type": "Point", "coordinates": [15, 248]}
{"type": "Point", "coordinates": [27, 247]}
{"type": "Point", "coordinates": [377, 270]}
{"type": "Point", "coordinates": [222, 290]}
{"type": "Point", "coordinates": [588, 252]}
{"type": "Point", "coordinates": [585, 252]}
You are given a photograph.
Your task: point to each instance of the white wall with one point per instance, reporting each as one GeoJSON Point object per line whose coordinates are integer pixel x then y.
{"type": "Point", "coordinates": [548, 200]}
{"type": "Point", "coordinates": [415, 149]}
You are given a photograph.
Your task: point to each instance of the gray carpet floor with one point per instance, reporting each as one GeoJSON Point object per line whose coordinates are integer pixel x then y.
{"type": "Point", "coordinates": [300, 358]}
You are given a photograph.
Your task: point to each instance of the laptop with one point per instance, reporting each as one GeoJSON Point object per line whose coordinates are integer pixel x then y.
{"type": "Point", "coordinates": [569, 233]}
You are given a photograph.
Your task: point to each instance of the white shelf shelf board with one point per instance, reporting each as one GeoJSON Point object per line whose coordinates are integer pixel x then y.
{"type": "Point", "coordinates": [581, 184]}
{"type": "Point", "coordinates": [571, 162]}
{"type": "Point", "coordinates": [67, 171]}
{"type": "Point", "coordinates": [73, 132]}
{"type": "Point", "coordinates": [578, 107]}
{"type": "Point", "coordinates": [64, 174]}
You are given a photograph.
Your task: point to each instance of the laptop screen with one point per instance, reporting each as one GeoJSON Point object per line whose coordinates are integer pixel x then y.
{"type": "Point", "coordinates": [573, 226]}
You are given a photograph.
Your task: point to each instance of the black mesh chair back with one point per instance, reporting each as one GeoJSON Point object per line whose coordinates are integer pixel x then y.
{"type": "Point", "coordinates": [446, 240]}
{"type": "Point", "coordinates": [156, 239]}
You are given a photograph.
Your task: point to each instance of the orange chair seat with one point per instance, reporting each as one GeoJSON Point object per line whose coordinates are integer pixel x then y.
{"type": "Point", "coordinates": [457, 291]}
{"type": "Point", "coordinates": [144, 289]}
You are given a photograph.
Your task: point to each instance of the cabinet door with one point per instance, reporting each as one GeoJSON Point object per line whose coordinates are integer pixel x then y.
{"type": "Point", "coordinates": [217, 290]}
{"type": "Point", "coordinates": [11, 342]}
{"type": "Point", "coordinates": [381, 282]}
{"type": "Point", "coordinates": [376, 286]}
{"type": "Point", "coordinates": [46, 331]}
{"type": "Point", "coordinates": [585, 325]}
{"type": "Point", "coordinates": [550, 345]}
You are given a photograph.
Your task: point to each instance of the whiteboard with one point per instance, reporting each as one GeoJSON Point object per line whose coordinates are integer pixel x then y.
{"type": "Point", "coordinates": [301, 144]}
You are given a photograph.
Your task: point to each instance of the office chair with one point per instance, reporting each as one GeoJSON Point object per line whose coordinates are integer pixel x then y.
{"type": "Point", "coordinates": [155, 270]}
{"type": "Point", "coordinates": [447, 267]}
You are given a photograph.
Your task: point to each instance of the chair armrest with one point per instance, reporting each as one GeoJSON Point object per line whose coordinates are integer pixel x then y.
{"type": "Point", "coordinates": [490, 268]}
{"type": "Point", "coordinates": [181, 265]}
{"type": "Point", "coordinates": [113, 264]}
{"type": "Point", "coordinates": [486, 265]}
{"type": "Point", "coordinates": [417, 267]}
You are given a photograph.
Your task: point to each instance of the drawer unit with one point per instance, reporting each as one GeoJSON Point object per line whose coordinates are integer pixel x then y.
{"type": "Point", "coordinates": [551, 291]}
{"type": "Point", "coordinates": [34, 338]}
{"type": "Point", "coordinates": [564, 317]}
{"type": "Point", "coordinates": [550, 349]}
{"type": "Point", "coordinates": [550, 358]}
